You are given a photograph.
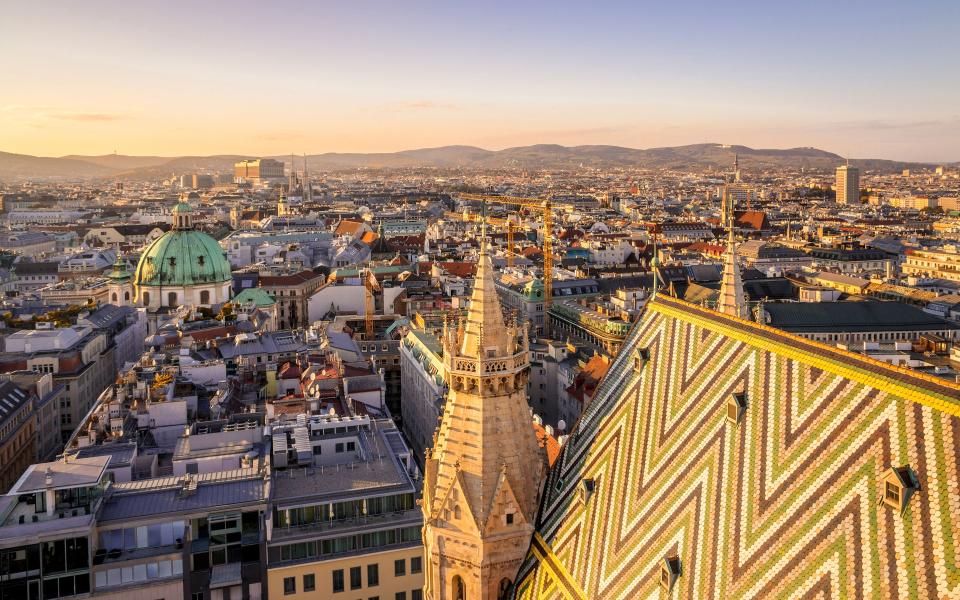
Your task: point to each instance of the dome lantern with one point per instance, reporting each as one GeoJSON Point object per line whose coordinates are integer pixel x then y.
{"type": "Point", "coordinates": [183, 215]}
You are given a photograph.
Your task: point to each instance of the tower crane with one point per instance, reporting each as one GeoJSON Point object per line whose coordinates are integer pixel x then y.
{"type": "Point", "coordinates": [545, 208]}
{"type": "Point", "coordinates": [370, 285]}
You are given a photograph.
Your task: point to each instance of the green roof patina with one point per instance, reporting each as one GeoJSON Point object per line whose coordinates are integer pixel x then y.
{"type": "Point", "coordinates": [259, 296]}
{"type": "Point", "coordinates": [182, 257]}
{"type": "Point", "coordinates": [119, 271]}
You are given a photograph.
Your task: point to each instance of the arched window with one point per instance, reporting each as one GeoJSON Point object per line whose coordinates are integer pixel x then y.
{"type": "Point", "coordinates": [146, 298]}
{"type": "Point", "coordinates": [114, 296]}
{"type": "Point", "coordinates": [172, 299]}
{"type": "Point", "coordinates": [505, 584]}
{"type": "Point", "coordinates": [205, 297]}
{"type": "Point", "coordinates": [457, 513]}
{"type": "Point", "coordinates": [459, 590]}
{"type": "Point", "coordinates": [126, 296]}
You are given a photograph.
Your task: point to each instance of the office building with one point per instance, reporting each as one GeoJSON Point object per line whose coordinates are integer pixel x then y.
{"type": "Point", "coordinates": [848, 185]}
{"type": "Point", "coordinates": [258, 170]}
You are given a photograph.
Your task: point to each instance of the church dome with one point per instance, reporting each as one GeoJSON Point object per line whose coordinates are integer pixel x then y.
{"type": "Point", "coordinates": [182, 256]}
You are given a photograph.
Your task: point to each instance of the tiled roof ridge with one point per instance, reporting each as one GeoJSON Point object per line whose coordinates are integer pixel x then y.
{"type": "Point", "coordinates": [873, 371]}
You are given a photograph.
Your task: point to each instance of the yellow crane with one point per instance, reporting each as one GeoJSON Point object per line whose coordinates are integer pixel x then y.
{"type": "Point", "coordinates": [545, 208]}
{"type": "Point", "coordinates": [370, 285]}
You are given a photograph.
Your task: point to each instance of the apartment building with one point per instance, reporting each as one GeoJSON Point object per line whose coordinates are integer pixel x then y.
{"type": "Point", "coordinates": [943, 263]}
{"type": "Point", "coordinates": [79, 358]}
{"type": "Point", "coordinates": [344, 522]}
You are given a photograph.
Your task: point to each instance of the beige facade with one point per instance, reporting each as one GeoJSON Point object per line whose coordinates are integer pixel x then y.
{"type": "Point", "coordinates": [380, 575]}
{"type": "Point", "coordinates": [943, 264]}
{"type": "Point", "coordinates": [263, 168]}
{"type": "Point", "coordinates": [848, 185]}
{"type": "Point", "coordinates": [483, 475]}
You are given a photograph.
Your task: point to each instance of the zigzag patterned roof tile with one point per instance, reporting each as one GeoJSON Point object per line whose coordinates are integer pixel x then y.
{"type": "Point", "coordinates": [784, 502]}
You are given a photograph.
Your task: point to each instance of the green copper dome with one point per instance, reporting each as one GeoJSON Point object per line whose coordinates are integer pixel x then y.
{"type": "Point", "coordinates": [181, 258]}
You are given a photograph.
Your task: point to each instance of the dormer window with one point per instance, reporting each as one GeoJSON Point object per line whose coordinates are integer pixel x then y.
{"type": "Point", "coordinates": [173, 261]}
{"type": "Point", "coordinates": [640, 357]}
{"type": "Point", "coordinates": [200, 260]}
{"type": "Point", "coordinates": [736, 407]}
{"type": "Point", "coordinates": [509, 517]}
{"type": "Point", "coordinates": [897, 486]}
{"type": "Point", "coordinates": [587, 487]}
{"type": "Point", "coordinates": [669, 572]}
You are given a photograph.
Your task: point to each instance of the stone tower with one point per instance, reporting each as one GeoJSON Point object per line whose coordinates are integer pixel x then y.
{"type": "Point", "coordinates": [483, 475]}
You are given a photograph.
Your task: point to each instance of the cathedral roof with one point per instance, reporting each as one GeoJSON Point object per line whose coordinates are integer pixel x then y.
{"type": "Point", "coordinates": [755, 458]}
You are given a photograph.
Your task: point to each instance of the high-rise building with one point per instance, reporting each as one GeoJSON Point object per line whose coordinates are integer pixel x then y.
{"type": "Point", "coordinates": [261, 168]}
{"type": "Point", "coordinates": [848, 185]}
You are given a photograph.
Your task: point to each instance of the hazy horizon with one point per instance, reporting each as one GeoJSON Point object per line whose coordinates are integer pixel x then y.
{"type": "Point", "coordinates": [866, 80]}
{"type": "Point", "coordinates": [298, 154]}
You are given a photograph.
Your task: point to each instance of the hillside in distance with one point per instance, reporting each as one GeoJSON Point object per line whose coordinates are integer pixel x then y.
{"type": "Point", "coordinates": [539, 156]}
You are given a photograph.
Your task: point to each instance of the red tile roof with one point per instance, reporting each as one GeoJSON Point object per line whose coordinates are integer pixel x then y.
{"type": "Point", "coordinates": [548, 443]}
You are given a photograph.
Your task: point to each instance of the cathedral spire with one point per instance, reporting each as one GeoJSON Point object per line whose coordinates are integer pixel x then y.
{"type": "Point", "coordinates": [485, 332]}
{"type": "Point", "coordinates": [732, 300]}
{"type": "Point", "coordinates": [482, 477]}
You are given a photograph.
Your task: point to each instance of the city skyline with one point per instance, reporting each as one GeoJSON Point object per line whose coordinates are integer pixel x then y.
{"type": "Point", "coordinates": [225, 78]}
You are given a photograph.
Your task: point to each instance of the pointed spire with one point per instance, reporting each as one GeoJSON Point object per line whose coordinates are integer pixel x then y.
{"type": "Point", "coordinates": [732, 300]}
{"type": "Point", "coordinates": [654, 266]}
{"type": "Point", "coordinates": [485, 327]}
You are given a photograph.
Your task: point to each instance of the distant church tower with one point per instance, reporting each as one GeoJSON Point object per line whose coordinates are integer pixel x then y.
{"type": "Point", "coordinates": [483, 475]}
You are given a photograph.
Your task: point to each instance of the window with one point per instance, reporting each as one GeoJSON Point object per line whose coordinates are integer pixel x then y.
{"type": "Point", "coordinates": [146, 298]}
{"type": "Point", "coordinates": [172, 299]}
{"type": "Point", "coordinates": [205, 297]}
{"type": "Point", "coordinates": [587, 487]}
{"type": "Point", "coordinates": [459, 589]}
{"type": "Point", "coordinates": [669, 572]}
{"type": "Point", "coordinates": [351, 446]}
{"type": "Point", "coordinates": [338, 580]}
{"type": "Point", "coordinates": [736, 407]}
{"type": "Point", "coordinates": [897, 486]}
{"type": "Point", "coordinates": [893, 492]}
{"type": "Point", "coordinates": [400, 596]}
{"type": "Point", "coordinates": [399, 567]}
{"type": "Point", "coordinates": [510, 518]}
{"type": "Point", "coordinates": [416, 594]}
{"type": "Point", "coordinates": [373, 575]}
{"type": "Point", "coordinates": [289, 585]}
{"type": "Point", "coordinates": [339, 448]}
{"type": "Point", "coordinates": [416, 564]}
{"type": "Point", "coordinates": [309, 582]}
{"type": "Point", "coordinates": [355, 582]}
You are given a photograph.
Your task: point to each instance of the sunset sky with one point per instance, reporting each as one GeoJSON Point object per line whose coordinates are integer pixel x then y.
{"type": "Point", "coordinates": [861, 78]}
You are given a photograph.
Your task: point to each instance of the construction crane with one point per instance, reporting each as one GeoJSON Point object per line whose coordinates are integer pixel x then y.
{"type": "Point", "coordinates": [370, 285]}
{"type": "Point", "coordinates": [545, 208]}
{"type": "Point", "coordinates": [475, 218]}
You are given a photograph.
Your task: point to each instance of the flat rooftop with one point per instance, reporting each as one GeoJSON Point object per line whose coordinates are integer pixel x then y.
{"type": "Point", "coordinates": [79, 472]}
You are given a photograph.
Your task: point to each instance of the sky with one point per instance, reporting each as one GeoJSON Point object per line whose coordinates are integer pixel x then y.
{"type": "Point", "coordinates": [866, 79]}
